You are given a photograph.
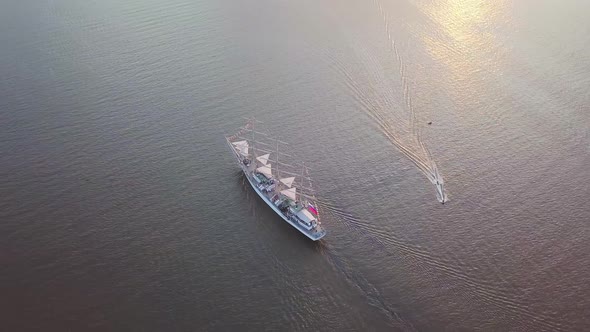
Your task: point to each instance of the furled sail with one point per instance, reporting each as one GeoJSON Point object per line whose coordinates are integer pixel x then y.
{"type": "Point", "coordinates": [242, 146]}
{"type": "Point", "coordinates": [288, 181]}
{"type": "Point", "coordinates": [266, 170]}
{"type": "Point", "coordinates": [263, 159]}
{"type": "Point", "coordinates": [290, 193]}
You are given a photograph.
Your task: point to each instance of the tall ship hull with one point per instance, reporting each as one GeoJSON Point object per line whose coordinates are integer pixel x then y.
{"type": "Point", "coordinates": [285, 188]}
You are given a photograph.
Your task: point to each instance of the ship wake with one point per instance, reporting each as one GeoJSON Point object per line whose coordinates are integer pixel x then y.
{"type": "Point", "coordinates": [493, 289]}
{"type": "Point", "coordinates": [404, 134]}
{"type": "Point", "coordinates": [385, 96]}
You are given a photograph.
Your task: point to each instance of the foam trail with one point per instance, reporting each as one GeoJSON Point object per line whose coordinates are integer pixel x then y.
{"type": "Point", "coordinates": [371, 293]}
{"type": "Point", "coordinates": [411, 144]}
{"type": "Point", "coordinates": [386, 100]}
{"type": "Point", "coordinates": [500, 293]}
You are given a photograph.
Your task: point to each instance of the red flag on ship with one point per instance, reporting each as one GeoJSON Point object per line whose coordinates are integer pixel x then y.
{"type": "Point", "coordinates": [312, 209]}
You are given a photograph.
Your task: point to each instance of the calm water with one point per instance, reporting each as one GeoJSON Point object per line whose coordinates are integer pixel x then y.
{"type": "Point", "coordinates": [122, 209]}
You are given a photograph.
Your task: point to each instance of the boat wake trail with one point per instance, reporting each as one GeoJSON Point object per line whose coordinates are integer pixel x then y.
{"type": "Point", "coordinates": [369, 291]}
{"type": "Point", "coordinates": [386, 97]}
{"type": "Point", "coordinates": [375, 298]}
{"type": "Point", "coordinates": [407, 140]}
{"type": "Point", "coordinates": [493, 289]}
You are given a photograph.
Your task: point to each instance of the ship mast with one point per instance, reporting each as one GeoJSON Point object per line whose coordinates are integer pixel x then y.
{"type": "Point", "coordinates": [278, 163]}
{"type": "Point", "coordinates": [302, 176]}
{"type": "Point", "coordinates": [251, 124]}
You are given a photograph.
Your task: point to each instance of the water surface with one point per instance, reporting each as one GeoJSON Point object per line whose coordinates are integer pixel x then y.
{"type": "Point", "coordinates": [122, 209]}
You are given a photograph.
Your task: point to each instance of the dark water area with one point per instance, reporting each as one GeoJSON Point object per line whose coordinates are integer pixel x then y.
{"type": "Point", "coordinates": [121, 208]}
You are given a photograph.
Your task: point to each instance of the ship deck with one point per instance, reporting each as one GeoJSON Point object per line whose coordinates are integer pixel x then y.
{"type": "Point", "coordinates": [315, 234]}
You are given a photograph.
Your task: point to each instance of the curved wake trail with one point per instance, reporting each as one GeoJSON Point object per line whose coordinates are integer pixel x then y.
{"type": "Point", "coordinates": [373, 295]}
{"type": "Point", "coordinates": [388, 102]}
{"type": "Point", "coordinates": [495, 290]}
{"type": "Point", "coordinates": [412, 146]}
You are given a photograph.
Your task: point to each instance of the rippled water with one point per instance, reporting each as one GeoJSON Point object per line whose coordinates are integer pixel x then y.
{"type": "Point", "coordinates": [121, 208]}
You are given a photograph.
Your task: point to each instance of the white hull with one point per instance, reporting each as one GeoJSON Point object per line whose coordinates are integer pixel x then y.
{"type": "Point", "coordinates": [313, 235]}
{"type": "Point", "coordinates": [272, 206]}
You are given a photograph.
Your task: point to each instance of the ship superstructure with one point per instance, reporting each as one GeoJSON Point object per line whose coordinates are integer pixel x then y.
{"type": "Point", "coordinates": [284, 186]}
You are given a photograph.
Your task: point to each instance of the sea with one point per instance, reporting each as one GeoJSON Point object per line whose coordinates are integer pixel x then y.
{"type": "Point", "coordinates": [122, 207]}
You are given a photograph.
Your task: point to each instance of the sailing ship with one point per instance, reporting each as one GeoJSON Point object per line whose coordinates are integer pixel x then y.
{"type": "Point", "coordinates": [285, 187]}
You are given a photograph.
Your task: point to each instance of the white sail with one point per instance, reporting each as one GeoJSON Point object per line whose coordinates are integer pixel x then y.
{"type": "Point", "coordinates": [285, 189]}
{"type": "Point", "coordinates": [240, 143]}
{"type": "Point", "coordinates": [290, 193]}
{"type": "Point", "coordinates": [288, 181]}
{"type": "Point", "coordinates": [266, 170]}
{"type": "Point", "coordinates": [244, 151]}
{"type": "Point", "coordinates": [264, 158]}
{"type": "Point", "coordinates": [242, 146]}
